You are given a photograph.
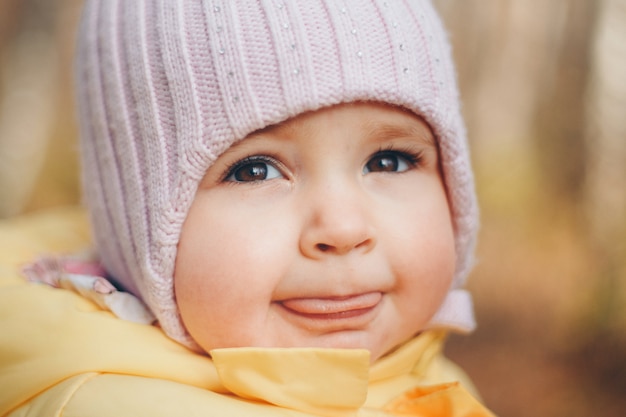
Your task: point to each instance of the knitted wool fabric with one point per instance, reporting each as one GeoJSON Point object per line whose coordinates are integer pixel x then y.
{"type": "Point", "coordinates": [165, 86]}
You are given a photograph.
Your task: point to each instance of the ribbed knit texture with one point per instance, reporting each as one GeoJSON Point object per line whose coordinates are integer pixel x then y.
{"type": "Point", "coordinates": [165, 86]}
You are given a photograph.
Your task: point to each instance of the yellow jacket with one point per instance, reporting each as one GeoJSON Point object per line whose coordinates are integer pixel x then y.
{"type": "Point", "coordinates": [60, 355]}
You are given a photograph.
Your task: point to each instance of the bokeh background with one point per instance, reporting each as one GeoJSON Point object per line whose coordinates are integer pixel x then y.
{"type": "Point", "coordinates": [544, 92]}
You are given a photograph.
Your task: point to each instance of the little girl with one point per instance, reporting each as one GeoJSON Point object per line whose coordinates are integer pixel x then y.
{"type": "Point", "coordinates": [284, 187]}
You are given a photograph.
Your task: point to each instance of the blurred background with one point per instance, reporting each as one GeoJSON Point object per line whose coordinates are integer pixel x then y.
{"type": "Point", "coordinates": [544, 93]}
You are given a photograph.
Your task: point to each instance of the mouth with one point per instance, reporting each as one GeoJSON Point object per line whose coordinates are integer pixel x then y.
{"type": "Point", "coordinates": [333, 308]}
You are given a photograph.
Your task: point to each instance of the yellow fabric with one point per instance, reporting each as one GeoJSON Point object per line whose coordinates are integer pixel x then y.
{"type": "Point", "coordinates": [256, 373]}
{"type": "Point", "coordinates": [60, 355]}
{"type": "Point", "coordinates": [437, 401]}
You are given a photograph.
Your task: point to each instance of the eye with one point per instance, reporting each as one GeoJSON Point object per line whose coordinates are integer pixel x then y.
{"type": "Point", "coordinates": [253, 169]}
{"type": "Point", "coordinates": [390, 161]}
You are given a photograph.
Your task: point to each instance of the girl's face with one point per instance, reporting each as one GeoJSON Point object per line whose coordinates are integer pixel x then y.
{"type": "Point", "coordinates": [331, 229]}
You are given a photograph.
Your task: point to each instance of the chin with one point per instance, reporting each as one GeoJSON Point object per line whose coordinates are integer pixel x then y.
{"type": "Point", "coordinates": [348, 340]}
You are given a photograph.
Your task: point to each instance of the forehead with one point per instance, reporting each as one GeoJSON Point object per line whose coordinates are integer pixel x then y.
{"type": "Point", "coordinates": [377, 120]}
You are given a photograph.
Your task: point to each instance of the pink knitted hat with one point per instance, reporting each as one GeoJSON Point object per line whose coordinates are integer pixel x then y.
{"type": "Point", "coordinates": [165, 86]}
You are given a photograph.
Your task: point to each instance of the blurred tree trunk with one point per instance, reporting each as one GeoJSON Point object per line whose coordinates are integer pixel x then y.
{"type": "Point", "coordinates": [559, 135]}
{"type": "Point", "coordinates": [26, 106]}
{"type": "Point", "coordinates": [9, 16]}
{"type": "Point", "coordinates": [37, 135]}
{"type": "Point", "coordinates": [605, 188]}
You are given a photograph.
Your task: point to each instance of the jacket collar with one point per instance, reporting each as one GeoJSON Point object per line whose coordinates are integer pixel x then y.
{"type": "Point", "coordinates": [329, 382]}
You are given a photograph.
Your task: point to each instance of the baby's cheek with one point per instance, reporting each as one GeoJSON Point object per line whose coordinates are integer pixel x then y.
{"type": "Point", "coordinates": [427, 274]}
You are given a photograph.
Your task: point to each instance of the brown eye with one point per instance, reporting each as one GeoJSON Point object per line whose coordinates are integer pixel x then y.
{"type": "Point", "coordinates": [253, 169]}
{"type": "Point", "coordinates": [383, 163]}
{"type": "Point", "coordinates": [387, 162]}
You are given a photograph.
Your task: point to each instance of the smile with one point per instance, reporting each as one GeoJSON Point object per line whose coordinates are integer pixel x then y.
{"type": "Point", "coordinates": [333, 308]}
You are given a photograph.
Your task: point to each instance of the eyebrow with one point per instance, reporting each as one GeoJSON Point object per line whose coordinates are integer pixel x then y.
{"type": "Point", "coordinates": [407, 130]}
{"type": "Point", "coordinates": [286, 130]}
{"type": "Point", "coordinates": [252, 135]}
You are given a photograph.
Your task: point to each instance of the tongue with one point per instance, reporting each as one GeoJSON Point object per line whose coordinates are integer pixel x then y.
{"type": "Point", "coordinates": [333, 304]}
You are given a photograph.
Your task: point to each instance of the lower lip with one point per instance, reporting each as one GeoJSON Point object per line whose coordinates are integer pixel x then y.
{"type": "Point", "coordinates": [333, 308]}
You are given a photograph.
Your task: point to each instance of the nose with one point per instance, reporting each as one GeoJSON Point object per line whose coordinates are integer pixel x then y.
{"type": "Point", "coordinates": [337, 223]}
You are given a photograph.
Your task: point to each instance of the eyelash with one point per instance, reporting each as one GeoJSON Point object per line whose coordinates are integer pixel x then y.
{"type": "Point", "coordinates": [233, 167]}
{"type": "Point", "coordinates": [414, 159]}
